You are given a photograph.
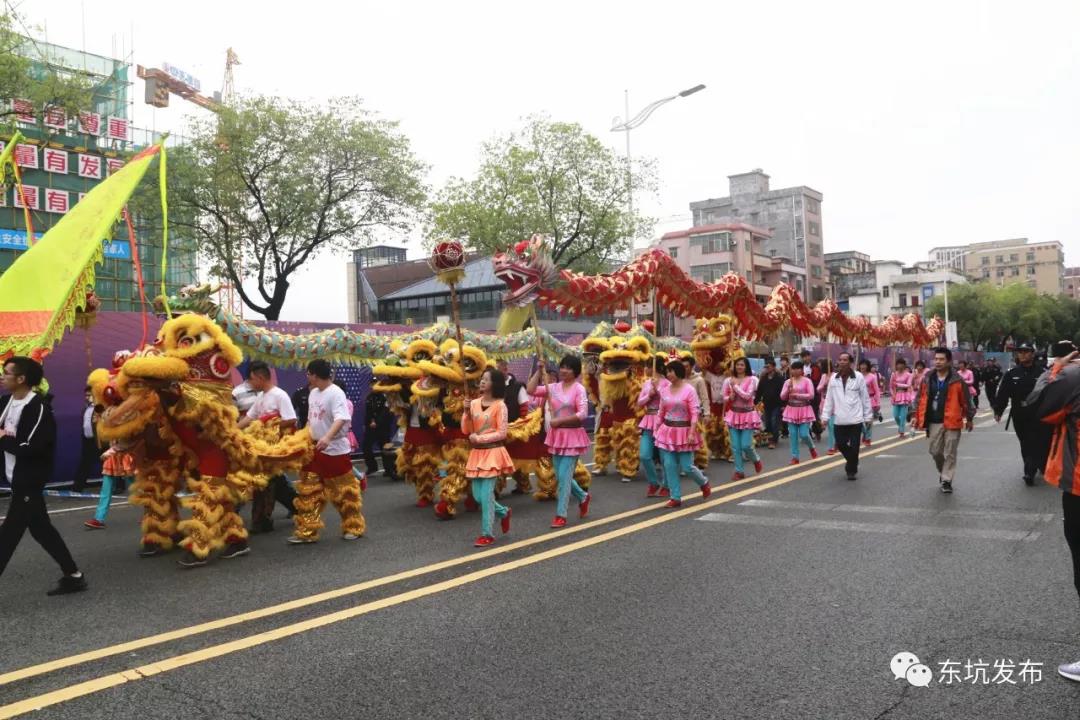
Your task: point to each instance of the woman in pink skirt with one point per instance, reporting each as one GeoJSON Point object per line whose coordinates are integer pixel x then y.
{"type": "Point", "coordinates": [566, 439]}
{"type": "Point", "coordinates": [798, 392]}
{"type": "Point", "coordinates": [484, 423]}
{"type": "Point", "coordinates": [677, 435]}
{"type": "Point", "coordinates": [902, 393]}
{"type": "Point", "coordinates": [649, 398]}
{"type": "Point", "coordinates": [873, 389]}
{"type": "Point", "coordinates": [742, 417]}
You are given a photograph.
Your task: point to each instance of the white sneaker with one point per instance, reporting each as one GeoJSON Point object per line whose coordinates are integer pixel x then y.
{"type": "Point", "coordinates": [1070, 671]}
{"type": "Point", "coordinates": [626, 479]}
{"type": "Point", "coordinates": [350, 536]}
{"type": "Point", "coordinates": [293, 540]}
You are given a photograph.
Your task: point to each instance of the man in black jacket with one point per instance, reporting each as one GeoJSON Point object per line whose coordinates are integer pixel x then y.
{"type": "Point", "coordinates": [28, 442]}
{"type": "Point", "coordinates": [991, 377]}
{"type": "Point", "coordinates": [770, 383]}
{"type": "Point", "coordinates": [1034, 435]}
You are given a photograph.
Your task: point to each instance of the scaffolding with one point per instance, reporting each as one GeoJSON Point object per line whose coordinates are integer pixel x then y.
{"type": "Point", "coordinates": [112, 96]}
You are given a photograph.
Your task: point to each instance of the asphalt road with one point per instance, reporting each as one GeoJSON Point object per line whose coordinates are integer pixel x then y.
{"type": "Point", "coordinates": [784, 596]}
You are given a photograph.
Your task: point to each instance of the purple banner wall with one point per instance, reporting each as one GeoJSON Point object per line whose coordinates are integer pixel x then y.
{"type": "Point", "coordinates": [885, 358]}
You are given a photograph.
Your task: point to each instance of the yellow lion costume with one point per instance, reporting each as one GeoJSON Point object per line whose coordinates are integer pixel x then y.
{"type": "Point", "coordinates": [620, 383]}
{"type": "Point", "coordinates": [715, 349]}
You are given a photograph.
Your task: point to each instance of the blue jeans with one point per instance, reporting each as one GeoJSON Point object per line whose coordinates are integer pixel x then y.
{"type": "Point", "coordinates": [684, 461]}
{"type": "Point", "coordinates": [899, 414]}
{"type": "Point", "coordinates": [646, 447]}
{"type": "Point", "coordinates": [742, 446]}
{"type": "Point", "coordinates": [483, 490]}
{"type": "Point", "coordinates": [867, 431]}
{"type": "Point", "coordinates": [564, 473]}
{"type": "Point", "coordinates": [797, 432]}
{"type": "Point", "coordinates": [773, 422]}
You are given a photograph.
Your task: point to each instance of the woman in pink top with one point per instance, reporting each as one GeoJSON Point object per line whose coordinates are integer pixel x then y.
{"type": "Point", "coordinates": [873, 389]}
{"type": "Point", "coordinates": [484, 423]}
{"type": "Point", "coordinates": [902, 392]}
{"type": "Point", "coordinates": [968, 377]}
{"type": "Point", "coordinates": [798, 393]}
{"type": "Point", "coordinates": [649, 398]}
{"type": "Point", "coordinates": [566, 439]}
{"type": "Point", "coordinates": [742, 417]}
{"type": "Point", "coordinates": [677, 435]}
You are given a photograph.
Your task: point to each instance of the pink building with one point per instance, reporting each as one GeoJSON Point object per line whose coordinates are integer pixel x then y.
{"type": "Point", "coordinates": [708, 252]}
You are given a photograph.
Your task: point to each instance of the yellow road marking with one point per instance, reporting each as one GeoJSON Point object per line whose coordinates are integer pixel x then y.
{"type": "Point", "coordinates": [215, 651]}
{"type": "Point", "coordinates": [180, 633]}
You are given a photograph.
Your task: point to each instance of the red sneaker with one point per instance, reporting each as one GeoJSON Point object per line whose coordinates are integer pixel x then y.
{"type": "Point", "coordinates": [813, 453]}
{"type": "Point", "coordinates": [673, 503]}
{"type": "Point", "coordinates": [794, 461]}
{"type": "Point", "coordinates": [484, 541]}
{"type": "Point", "coordinates": [506, 520]}
{"type": "Point", "coordinates": [866, 443]}
{"type": "Point", "coordinates": [664, 492]}
{"type": "Point", "coordinates": [758, 466]}
{"type": "Point", "coordinates": [831, 451]}
{"type": "Point", "coordinates": [900, 435]}
{"type": "Point", "coordinates": [558, 522]}
{"type": "Point", "coordinates": [94, 524]}
{"type": "Point", "coordinates": [706, 491]}
{"type": "Point", "coordinates": [442, 510]}
{"type": "Point", "coordinates": [363, 483]}
{"type": "Point", "coordinates": [651, 492]}
{"type": "Point", "coordinates": [423, 502]}
{"type": "Point", "coordinates": [583, 506]}
{"type": "Point", "coordinates": [470, 504]}
{"type": "Point", "coordinates": [735, 476]}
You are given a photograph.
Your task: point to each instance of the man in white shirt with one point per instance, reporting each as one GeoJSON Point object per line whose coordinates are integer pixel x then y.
{"type": "Point", "coordinates": [89, 452]}
{"type": "Point", "coordinates": [847, 402]}
{"type": "Point", "coordinates": [329, 475]}
{"type": "Point", "coordinates": [270, 403]}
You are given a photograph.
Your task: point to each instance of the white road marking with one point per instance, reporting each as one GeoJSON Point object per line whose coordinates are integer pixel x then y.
{"type": "Point", "coordinates": [887, 509]}
{"type": "Point", "coordinates": [81, 507]}
{"type": "Point", "coordinates": [881, 528]}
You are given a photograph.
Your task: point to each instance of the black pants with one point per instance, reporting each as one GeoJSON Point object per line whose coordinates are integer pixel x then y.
{"type": "Point", "coordinates": [1034, 437]}
{"type": "Point", "coordinates": [1070, 507]}
{"type": "Point", "coordinates": [27, 512]}
{"type": "Point", "coordinates": [991, 391]}
{"type": "Point", "coordinates": [773, 424]}
{"type": "Point", "coordinates": [848, 439]}
{"type": "Point", "coordinates": [88, 460]}
{"type": "Point", "coordinates": [373, 439]}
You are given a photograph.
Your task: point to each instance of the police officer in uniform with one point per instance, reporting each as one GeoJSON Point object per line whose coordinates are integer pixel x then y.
{"type": "Point", "coordinates": [1034, 436]}
{"type": "Point", "coordinates": [991, 378]}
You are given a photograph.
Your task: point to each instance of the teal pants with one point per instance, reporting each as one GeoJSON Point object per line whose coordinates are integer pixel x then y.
{"type": "Point", "coordinates": [483, 491]}
{"type": "Point", "coordinates": [799, 432]}
{"type": "Point", "coordinates": [646, 449]}
{"type": "Point", "coordinates": [899, 415]}
{"type": "Point", "coordinates": [868, 431]}
{"type": "Point", "coordinates": [742, 447]}
{"type": "Point", "coordinates": [107, 483]}
{"type": "Point", "coordinates": [674, 462]}
{"type": "Point", "coordinates": [832, 434]}
{"type": "Point", "coordinates": [564, 473]}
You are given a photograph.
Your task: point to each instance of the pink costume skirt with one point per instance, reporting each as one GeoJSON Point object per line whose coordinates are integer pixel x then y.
{"type": "Point", "coordinates": [567, 441]}
{"type": "Point", "coordinates": [749, 420]}
{"type": "Point", "coordinates": [799, 415]}
{"type": "Point", "coordinates": [650, 422]}
{"type": "Point", "coordinates": [677, 439]}
{"type": "Point", "coordinates": [903, 397]}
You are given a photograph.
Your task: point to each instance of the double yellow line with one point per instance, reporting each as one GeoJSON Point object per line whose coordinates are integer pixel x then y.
{"type": "Point", "coordinates": [215, 651]}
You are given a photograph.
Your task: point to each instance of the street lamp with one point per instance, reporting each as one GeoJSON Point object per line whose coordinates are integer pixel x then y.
{"type": "Point", "coordinates": [627, 123]}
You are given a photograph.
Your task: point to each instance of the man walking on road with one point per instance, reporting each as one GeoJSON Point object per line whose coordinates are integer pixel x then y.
{"type": "Point", "coordinates": [991, 379]}
{"type": "Point", "coordinates": [28, 441]}
{"type": "Point", "coordinates": [1034, 436]}
{"type": "Point", "coordinates": [847, 403]}
{"type": "Point", "coordinates": [944, 408]}
{"type": "Point", "coordinates": [768, 393]}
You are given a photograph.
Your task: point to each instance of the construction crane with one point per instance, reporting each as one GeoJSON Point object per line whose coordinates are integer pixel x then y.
{"type": "Point", "coordinates": [166, 81]}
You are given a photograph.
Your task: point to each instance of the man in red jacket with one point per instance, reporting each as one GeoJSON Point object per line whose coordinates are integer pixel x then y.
{"type": "Point", "coordinates": [945, 408]}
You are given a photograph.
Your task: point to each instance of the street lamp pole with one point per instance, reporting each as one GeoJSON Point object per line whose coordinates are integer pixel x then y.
{"type": "Point", "coordinates": [627, 123]}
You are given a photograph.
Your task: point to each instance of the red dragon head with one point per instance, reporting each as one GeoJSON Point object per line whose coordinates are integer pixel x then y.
{"type": "Point", "coordinates": [527, 268]}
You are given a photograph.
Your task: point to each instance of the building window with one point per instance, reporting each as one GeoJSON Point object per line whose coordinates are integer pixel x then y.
{"type": "Point", "coordinates": [885, 291]}
{"type": "Point", "coordinates": [999, 259]}
{"type": "Point", "coordinates": [984, 260]}
{"type": "Point", "coordinates": [986, 274]}
{"type": "Point", "coordinates": [714, 242]}
{"type": "Point", "coordinates": [813, 206]}
{"type": "Point", "coordinates": [1030, 256]}
{"type": "Point", "coordinates": [750, 276]}
{"type": "Point", "coordinates": [1030, 269]}
{"type": "Point", "coordinates": [709, 273]}
{"type": "Point", "coordinates": [1014, 257]}
{"type": "Point", "coordinates": [813, 228]}
{"type": "Point", "coordinates": [815, 250]}
{"type": "Point", "coordinates": [1015, 272]}
{"type": "Point", "coordinates": [746, 245]}
{"type": "Point", "coordinates": [673, 252]}
{"type": "Point", "coordinates": [903, 300]}
{"type": "Point", "coordinates": [1001, 272]}
{"type": "Point", "coordinates": [815, 270]}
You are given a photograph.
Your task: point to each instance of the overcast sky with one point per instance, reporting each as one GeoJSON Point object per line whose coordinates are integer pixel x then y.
{"type": "Point", "coordinates": [923, 123]}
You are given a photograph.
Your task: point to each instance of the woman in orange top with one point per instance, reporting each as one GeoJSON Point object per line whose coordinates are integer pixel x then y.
{"type": "Point", "coordinates": [485, 425]}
